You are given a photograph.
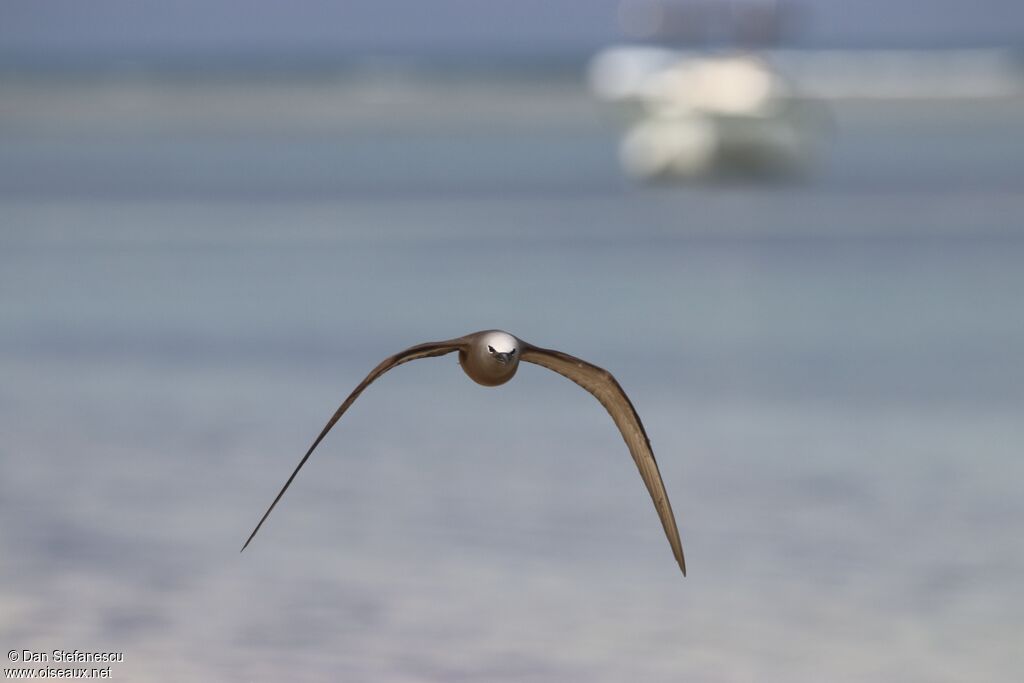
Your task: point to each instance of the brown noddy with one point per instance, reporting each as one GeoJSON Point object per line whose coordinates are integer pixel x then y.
{"type": "Point", "coordinates": [491, 358]}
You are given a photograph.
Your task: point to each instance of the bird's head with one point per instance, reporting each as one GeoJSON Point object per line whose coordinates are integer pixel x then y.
{"type": "Point", "coordinates": [492, 357]}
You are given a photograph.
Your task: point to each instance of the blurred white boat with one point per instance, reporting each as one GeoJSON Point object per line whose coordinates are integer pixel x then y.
{"type": "Point", "coordinates": [705, 115]}
{"type": "Point", "coordinates": [696, 114]}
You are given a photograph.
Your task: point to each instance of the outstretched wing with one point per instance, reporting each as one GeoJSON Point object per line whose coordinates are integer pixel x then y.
{"type": "Point", "coordinates": [606, 389]}
{"type": "Point", "coordinates": [413, 353]}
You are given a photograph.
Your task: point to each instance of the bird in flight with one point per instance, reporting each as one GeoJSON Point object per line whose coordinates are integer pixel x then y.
{"type": "Point", "coordinates": [491, 358]}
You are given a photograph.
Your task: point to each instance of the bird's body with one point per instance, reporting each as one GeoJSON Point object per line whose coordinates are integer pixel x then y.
{"type": "Point", "coordinates": [491, 358]}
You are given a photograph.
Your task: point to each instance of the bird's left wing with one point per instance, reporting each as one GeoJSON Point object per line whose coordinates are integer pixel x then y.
{"type": "Point", "coordinates": [426, 350]}
{"type": "Point", "coordinates": [606, 389]}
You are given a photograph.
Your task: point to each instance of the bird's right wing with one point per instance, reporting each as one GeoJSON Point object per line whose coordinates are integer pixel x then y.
{"type": "Point", "coordinates": [606, 389]}
{"type": "Point", "coordinates": [427, 350]}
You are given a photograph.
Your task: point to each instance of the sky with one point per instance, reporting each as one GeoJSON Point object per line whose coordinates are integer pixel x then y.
{"type": "Point", "coordinates": [70, 28]}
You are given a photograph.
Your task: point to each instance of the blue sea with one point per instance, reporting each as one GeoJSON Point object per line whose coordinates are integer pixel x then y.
{"type": "Point", "coordinates": [194, 274]}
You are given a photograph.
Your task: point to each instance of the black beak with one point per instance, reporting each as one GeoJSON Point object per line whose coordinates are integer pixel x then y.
{"type": "Point", "coordinates": [503, 358]}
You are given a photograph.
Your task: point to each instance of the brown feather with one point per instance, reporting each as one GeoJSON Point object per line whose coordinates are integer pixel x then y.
{"type": "Point", "coordinates": [427, 350]}
{"type": "Point", "coordinates": [606, 389]}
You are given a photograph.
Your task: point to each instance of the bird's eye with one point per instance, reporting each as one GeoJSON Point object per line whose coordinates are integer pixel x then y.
{"type": "Point", "coordinates": [490, 348]}
{"type": "Point", "coordinates": [512, 352]}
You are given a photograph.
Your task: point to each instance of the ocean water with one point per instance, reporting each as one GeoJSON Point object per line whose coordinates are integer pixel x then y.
{"type": "Point", "coordinates": [193, 276]}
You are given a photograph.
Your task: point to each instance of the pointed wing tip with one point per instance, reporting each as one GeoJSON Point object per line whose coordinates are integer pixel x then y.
{"type": "Point", "coordinates": [249, 540]}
